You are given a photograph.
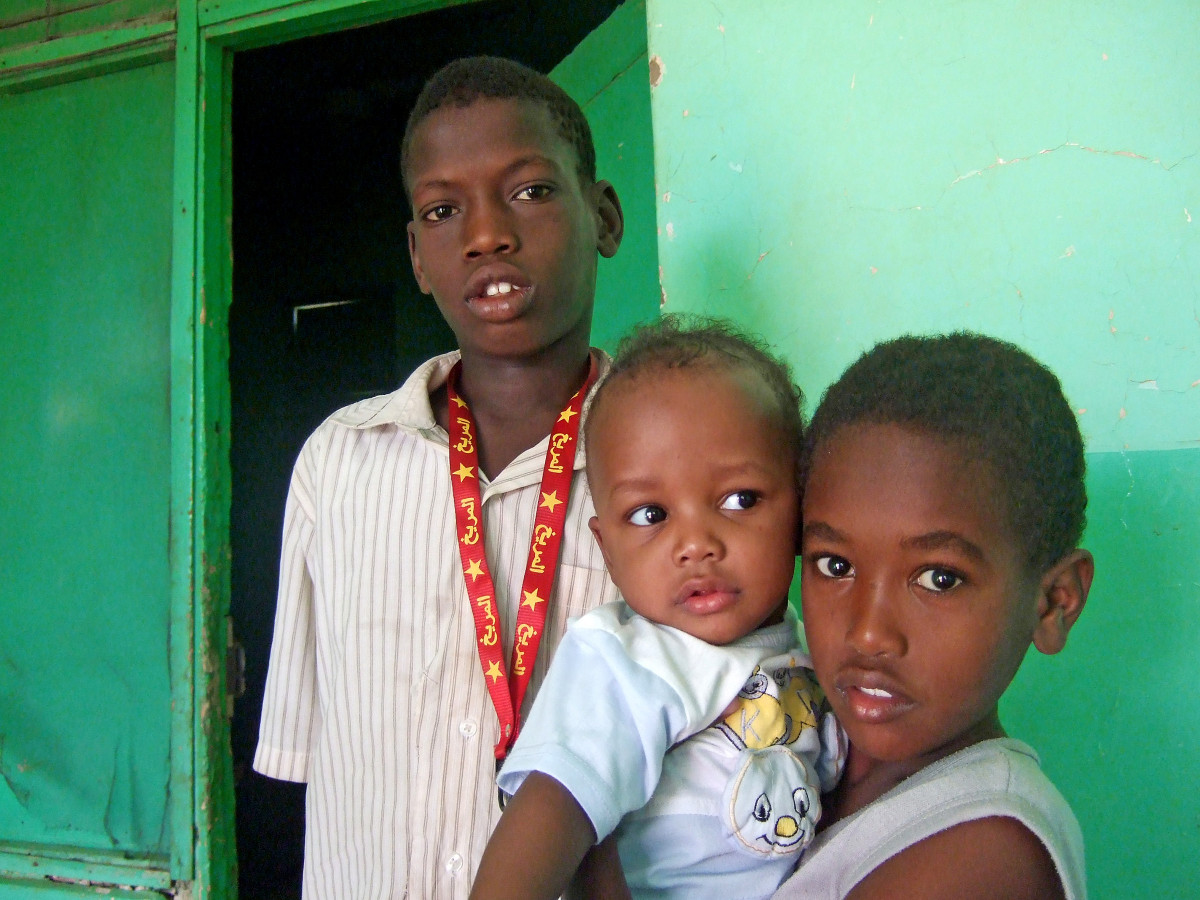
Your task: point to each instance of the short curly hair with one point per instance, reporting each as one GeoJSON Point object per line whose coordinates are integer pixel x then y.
{"type": "Point", "coordinates": [677, 341]}
{"type": "Point", "coordinates": [463, 81]}
{"type": "Point", "coordinates": [991, 398]}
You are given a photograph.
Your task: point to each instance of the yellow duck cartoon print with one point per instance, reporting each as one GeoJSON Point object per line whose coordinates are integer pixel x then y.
{"type": "Point", "coordinates": [773, 709]}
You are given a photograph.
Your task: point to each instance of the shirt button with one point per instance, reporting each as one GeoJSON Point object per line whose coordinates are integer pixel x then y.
{"type": "Point", "coordinates": [454, 864]}
{"type": "Point", "coordinates": [467, 728]}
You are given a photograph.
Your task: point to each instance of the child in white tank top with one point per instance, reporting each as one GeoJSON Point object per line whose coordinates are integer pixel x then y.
{"type": "Point", "coordinates": [943, 503]}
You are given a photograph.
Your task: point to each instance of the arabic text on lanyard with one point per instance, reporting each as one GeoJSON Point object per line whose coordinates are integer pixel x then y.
{"type": "Point", "coordinates": [507, 685]}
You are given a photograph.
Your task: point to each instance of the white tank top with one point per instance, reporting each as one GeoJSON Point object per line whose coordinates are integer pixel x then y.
{"type": "Point", "coordinates": [1000, 777]}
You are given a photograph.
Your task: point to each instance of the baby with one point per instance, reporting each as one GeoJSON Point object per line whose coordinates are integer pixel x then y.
{"type": "Point", "coordinates": [693, 443]}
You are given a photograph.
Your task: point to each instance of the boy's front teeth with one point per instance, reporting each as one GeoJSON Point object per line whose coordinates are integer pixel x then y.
{"type": "Point", "coordinates": [502, 287]}
{"type": "Point", "coordinates": [875, 692]}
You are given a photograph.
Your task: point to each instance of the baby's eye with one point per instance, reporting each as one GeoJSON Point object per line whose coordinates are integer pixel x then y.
{"type": "Point", "coordinates": [534, 192]}
{"type": "Point", "coordinates": [647, 515]}
{"type": "Point", "coordinates": [938, 580]}
{"type": "Point", "coordinates": [438, 213]}
{"type": "Point", "coordinates": [834, 566]}
{"type": "Point", "coordinates": [740, 500]}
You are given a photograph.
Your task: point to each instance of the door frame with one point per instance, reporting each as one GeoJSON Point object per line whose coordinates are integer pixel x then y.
{"type": "Point", "coordinates": [208, 38]}
{"type": "Point", "coordinates": [202, 40]}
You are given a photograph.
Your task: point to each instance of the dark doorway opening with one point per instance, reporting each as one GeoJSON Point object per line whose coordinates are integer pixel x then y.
{"type": "Point", "coordinates": [325, 309]}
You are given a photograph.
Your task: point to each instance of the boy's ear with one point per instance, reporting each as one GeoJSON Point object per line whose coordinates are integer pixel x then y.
{"type": "Point", "coordinates": [594, 525]}
{"type": "Point", "coordinates": [416, 260]}
{"type": "Point", "coordinates": [611, 219]}
{"type": "Point", "coordinates": [1063, 592]}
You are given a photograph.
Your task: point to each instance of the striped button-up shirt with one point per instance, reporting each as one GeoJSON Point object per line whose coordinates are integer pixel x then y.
{"type": "Point", "coordinates": [375, 695]}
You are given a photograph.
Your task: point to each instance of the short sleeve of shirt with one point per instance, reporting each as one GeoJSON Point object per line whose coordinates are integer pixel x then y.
{"type": "Point", "coordinates": [620, 692]}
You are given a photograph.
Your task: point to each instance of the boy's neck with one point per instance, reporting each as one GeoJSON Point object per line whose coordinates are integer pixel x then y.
{"type": "Point", "coordinates": [865, 780]}
{"type": "Point", "coordinates": [515, 402]}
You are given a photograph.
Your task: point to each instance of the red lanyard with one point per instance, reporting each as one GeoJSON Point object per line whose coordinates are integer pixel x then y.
{"type": "Point", "coordinates": [507, 688]}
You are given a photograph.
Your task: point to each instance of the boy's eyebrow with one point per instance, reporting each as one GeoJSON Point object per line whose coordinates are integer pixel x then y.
{"type": "Point", "coordinates": [731, 470]}
{"type": "Point", "coordinates": [822, 532]}
{"type": "Point", "coordinates": [938, 540]}
{"type": "Point", "coordinates": [934, 540]}
{"type": "Point", "coordinates": [531, 159]}
{"type": "Point", "coordinates": [429, 183]}
{"type": "Point", "coordinates": [630, 485]}
{"type": "Point", "coordinates": [517, 164]}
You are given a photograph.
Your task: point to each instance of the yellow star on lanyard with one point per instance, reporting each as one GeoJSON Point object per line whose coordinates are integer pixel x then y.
{"type": "Point", "coordinates": [464, 472]}
{"type": "Point", "coordinates": [550, 500]}
{"type": "Point", "coordinates": [474, 569]}
{"type": "Point", "coordinates": [532, 599]}
{"type": "Point", "coordinates": [493, 672]}
{"type": "Point", "coordinates": [566, 415]}
{"type": "Point", "coordinates": [460, 402]}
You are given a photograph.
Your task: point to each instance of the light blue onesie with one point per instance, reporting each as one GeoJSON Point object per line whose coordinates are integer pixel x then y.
{"type": "Point", "coordinates": [736, 802]}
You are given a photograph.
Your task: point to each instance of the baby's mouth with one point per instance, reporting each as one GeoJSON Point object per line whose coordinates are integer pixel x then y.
{"type": "Point", "coordinates": [707, 595]}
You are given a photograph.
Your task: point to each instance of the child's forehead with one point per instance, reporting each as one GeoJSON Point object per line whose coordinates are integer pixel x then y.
{"type": "Point", "coordinates": [883, 440]}
{"type": "Point", "coordinates": [739, 387]}
{"type": "Point", "coordinates": [704, 390]}
{"type": "Point", "coordinates": [693, 408]}
{"type": "Point", "coordinates": [866, 464]}
{"type": "Point", "coordinates": [522, 120]}
{"type": "Point", "coordinates": [517, 109]}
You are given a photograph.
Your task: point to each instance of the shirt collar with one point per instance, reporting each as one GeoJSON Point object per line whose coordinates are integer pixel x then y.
{"type": "Point", "coordinates": [409, 407]}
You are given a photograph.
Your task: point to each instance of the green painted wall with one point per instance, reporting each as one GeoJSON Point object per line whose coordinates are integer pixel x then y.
{"type": "Point", "coordinates": [608, 76]}
{"type": "Point", "coordinates": [834, 174]}
{"type": "Point", "coordinates": [85, 699]}
{"type": "Point", "coordinates": [1115, 717]}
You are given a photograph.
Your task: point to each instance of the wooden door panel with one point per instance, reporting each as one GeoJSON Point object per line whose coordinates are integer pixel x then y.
{"type": "Point", "coordinates": [85, 693]}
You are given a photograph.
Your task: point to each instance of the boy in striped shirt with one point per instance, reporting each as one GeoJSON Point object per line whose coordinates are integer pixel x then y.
{"type": "Point", "coordinates": [413, 591]}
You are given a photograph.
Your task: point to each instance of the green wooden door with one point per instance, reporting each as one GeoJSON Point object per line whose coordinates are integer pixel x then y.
{"type": "Point", "coordinates": [115, 771]}
{"type": "Point", "coordinates": [85, 477]}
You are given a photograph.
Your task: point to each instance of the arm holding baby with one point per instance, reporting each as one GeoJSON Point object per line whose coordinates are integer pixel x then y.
{"type": "Point", "coordinates": [593, 748]}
